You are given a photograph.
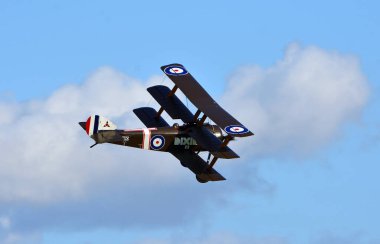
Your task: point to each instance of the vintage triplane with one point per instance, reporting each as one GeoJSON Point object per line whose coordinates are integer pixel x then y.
{"type": "Point", "coordinates": [183, 141]}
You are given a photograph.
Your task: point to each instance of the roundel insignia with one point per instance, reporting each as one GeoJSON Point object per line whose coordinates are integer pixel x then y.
{"type": "Point", "coordinates": [175, 70]}
{"type": "Point", "coordinates": [236, 129]}
{"type": "Point", "coordinates": [157, 142]}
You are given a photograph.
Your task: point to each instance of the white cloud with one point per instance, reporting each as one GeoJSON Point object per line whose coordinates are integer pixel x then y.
{"type": "Point", "coordinates": [45, 155]}
{"type": "Point", "coordinates": [49, 178]}
{"type": "Point", "coordinates": [294, 107]}
{"type": "Point", "coordinates": [300, 103]}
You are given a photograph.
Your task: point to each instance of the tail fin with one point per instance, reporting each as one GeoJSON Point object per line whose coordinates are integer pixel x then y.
{"type": "Point", "coordinates": [97, 123]}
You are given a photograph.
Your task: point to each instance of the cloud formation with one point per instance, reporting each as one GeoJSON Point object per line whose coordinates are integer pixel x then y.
{"type": "Point", "coordinates": [49, 178]}
{"type": "Point", "coordinates": [44, 154]}
{"type": "Point", "coordinates": [300, 103]}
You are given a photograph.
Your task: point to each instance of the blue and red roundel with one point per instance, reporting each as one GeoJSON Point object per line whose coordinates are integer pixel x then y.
{"type": "Point", "coordinates": [157, 142]}
{"type": "Point", "coordinates": [175, 70]}
{"type": "Point", "coordinates": [236, 129]}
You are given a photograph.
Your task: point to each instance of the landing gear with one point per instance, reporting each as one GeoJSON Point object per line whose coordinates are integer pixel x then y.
{"type": "Point", "coordinates": [208, 157]}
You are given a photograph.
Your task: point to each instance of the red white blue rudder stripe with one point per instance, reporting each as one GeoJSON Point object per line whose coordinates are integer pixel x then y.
{"type": "Point", "coordinates": [97, 123]}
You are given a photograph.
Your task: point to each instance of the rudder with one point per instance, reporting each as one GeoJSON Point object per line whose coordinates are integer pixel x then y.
{"type": "Point", "coordinates": [97, 123]}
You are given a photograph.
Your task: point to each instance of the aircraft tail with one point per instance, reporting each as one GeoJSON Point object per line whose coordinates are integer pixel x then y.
{"type": "Point", "coordinates": [97, 123]}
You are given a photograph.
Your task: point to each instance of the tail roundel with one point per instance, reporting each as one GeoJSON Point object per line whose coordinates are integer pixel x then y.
{"type": "Point", "coordinates": [97, 123]}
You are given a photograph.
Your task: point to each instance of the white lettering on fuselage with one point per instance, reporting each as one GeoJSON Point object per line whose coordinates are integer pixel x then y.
{"type": "Point", "coordinates": [184, 141]}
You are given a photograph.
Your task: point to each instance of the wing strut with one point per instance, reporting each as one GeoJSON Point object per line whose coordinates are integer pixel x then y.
{"type": "Point", "coordinates": [202, 120]}
{"type": "Point", "coordinates": [196, 115]}
{"type": "Point", "coordinates": [214, 159]}
{"type": "Point", "coordinates": [170, 94]}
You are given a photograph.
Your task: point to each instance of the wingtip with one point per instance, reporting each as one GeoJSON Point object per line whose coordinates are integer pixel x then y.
{"type": "Point", "coordinates": [176, 64]}
{"type": "Point", "coordinates": [242, 135]}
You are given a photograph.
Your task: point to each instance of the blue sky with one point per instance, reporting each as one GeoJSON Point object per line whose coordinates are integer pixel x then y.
{"type": "Point", "coordinates": [319, 185]}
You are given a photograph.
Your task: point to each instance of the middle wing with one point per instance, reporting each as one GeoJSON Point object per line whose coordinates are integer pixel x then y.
{"type": "Point", "coordinates": [171, 103]}
{"type": "Point", "coordinates": [211, 143]}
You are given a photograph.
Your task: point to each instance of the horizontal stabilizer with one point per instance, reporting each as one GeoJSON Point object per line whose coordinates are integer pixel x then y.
{"type": "Point", "coordinates": [211, 143]}
{"type": "Point", "coordinates": [198, 166]}
{"type": "Point", "coordinates": [170, 103]}
{"type": "Point", "coordinates": [149, 117]}
{"type": "Point", "coordinates": [203, 101]}
{"type": "Point", "coordinates": [83, 125]}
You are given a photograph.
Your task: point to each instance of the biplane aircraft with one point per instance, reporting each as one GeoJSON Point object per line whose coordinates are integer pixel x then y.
{"type": "Point", "coordinates": [185, 141]}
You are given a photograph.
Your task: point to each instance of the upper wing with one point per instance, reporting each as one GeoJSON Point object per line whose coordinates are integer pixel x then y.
{"type": "Point", "coordinates": [203, 101]}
